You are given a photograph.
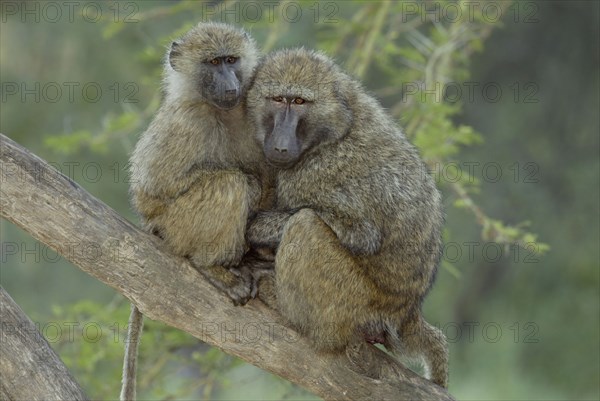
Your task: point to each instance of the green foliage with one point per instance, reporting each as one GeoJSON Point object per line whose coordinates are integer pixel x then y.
{"type": "Point", "coordinates": [90, 340]}
{"type": "Point", "coordinates": [69, 144]}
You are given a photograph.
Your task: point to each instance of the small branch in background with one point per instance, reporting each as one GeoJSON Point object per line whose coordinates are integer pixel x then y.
{"type": "Point", "coordinates": [366, 53]}
{"type": "Point", "coordinates": [347, 29]}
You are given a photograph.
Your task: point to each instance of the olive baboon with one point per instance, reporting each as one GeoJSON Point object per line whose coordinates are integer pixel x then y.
{"type": "Point", "coordinates": [357, 222]}
{"type": "Point", "coordinates": [197, 172]}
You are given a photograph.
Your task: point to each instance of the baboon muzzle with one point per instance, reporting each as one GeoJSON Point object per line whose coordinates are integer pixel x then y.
{"type": "Point", "coordinates": [283, 149]}
{"type": "Point", "coordinates": [228, 85]}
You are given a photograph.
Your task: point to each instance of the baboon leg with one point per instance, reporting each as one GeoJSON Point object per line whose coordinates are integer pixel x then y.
{"type": "Point", "coordinates": [320, 289]}
{"type": "Point", "coordinates": [207, 224]}
{"type": "Point", "coordinates": [421, 340]}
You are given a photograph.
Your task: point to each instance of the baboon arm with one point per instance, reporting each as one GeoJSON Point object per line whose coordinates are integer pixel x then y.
{"type": "Point", "coordinates": [182, 184]}
{"type": "Point", "coordinates": [360, 236]}
{"type": "Point", "coordinates": [266, 228]}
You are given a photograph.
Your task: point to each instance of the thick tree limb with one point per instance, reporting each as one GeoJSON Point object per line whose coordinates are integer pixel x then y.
{"type": "Point", "coordinates": [29, 368]}
{"type": "Point", "coordinates": [59, 213]}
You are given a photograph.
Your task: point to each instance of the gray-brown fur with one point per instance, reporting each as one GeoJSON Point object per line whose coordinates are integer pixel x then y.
{"type": "Point", "coordinates": [358, 219]}
{"type": "Point", "coordinates": [197, 172]}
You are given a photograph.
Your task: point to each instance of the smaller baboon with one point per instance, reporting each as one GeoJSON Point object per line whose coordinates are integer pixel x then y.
{"type": "Point", "coordinates": [197, 172]}
{"type": "Point", "coordinates": [358, 219]}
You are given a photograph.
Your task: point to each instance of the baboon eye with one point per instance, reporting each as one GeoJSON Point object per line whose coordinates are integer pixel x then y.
{"type": "Point", "coordinates": [231, 59]}
{"type": "Point", "coordinates": [278, 99]}
{"type": "Point", "coordinates": [215, 61]}
{"type": "Point", "coordinates": [299, 100]}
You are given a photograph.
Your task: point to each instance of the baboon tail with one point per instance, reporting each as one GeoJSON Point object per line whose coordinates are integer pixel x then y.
{"type": "Point", "coordinates": [419, 341]}
{"type": "Point", "coordinates": [134, 332]}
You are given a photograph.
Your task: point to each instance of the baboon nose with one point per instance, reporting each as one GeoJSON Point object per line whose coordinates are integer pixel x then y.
{"type": "Point", "coordinates": [281, 150]}
{"type": "Point", "coordinates": [231, 92]}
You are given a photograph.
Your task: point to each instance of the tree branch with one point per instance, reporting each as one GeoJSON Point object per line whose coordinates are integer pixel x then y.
{"type": "Point", "coordinates": [58, 212]}
{"type": "Point", "coordinates": [29, 368]}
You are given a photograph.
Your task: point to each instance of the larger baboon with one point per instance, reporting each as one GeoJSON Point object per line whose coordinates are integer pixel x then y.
{"type": "Point", "coordinates": [197, 172]}
{"type": "Point", "coordinates": [358, 219]}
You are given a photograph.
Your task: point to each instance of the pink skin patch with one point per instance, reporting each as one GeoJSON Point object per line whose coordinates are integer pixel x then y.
{"type": "Point", "coordinates": [375, 338]}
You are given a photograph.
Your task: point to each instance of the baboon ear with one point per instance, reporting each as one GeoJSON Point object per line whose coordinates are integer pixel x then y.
{"type": "Point", "coordinates": [174, 53]}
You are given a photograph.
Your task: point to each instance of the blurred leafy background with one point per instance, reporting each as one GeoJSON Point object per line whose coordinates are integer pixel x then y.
{"type": "Point", "coordinates": [501, 97]}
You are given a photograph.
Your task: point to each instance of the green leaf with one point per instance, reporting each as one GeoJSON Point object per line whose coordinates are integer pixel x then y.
{"type": "Point", "coordinates": [68, 144]}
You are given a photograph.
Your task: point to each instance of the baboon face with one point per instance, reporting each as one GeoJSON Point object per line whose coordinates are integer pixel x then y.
{"type": "Point", "coordinates": [299, 103]}
{"type": "Point", "coordinates": [287, 137]}
{"type": "Point", "coordinates": [217, 60]}
{"type": "Point", "coordinates": [220, 80]}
